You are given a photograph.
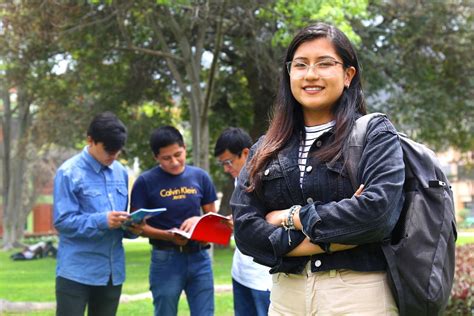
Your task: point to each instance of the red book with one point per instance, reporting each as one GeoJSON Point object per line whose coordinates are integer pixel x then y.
{"type": "Point", "coordinates": [211, 227]}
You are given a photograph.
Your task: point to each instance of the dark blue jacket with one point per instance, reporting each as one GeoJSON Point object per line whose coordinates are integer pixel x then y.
{"type": "Point", "coordinates": [330, 213]}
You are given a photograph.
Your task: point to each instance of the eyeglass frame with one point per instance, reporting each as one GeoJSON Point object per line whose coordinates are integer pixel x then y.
{"type": "Point", "coordinates": [228, 162]}
{"type": "Point", "coordinates": [308, 67]}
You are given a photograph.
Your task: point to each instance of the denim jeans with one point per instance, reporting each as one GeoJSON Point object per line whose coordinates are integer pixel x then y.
{"type": "Point", "coordinates": [171, 272]}
{"type": "Point", "coordinates": [249, 302]}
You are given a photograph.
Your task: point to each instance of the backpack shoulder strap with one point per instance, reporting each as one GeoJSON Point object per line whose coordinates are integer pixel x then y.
{"type": "Point", "coordinates": [355, 146]}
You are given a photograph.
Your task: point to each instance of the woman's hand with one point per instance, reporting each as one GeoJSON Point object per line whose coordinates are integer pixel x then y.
{"type": "Point", "coordinates": [307, 248]}
{"type": "Point", "coordinates": [277, 217]}
{"type": "Point", "coordinates": [359, 190]}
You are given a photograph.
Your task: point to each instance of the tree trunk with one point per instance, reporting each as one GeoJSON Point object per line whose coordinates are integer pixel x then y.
{"type": "Point", "coordinates": [195, 132]}
{"type": "Point", "coordinates": [6, 127]}
{"type": "Point", "coordinates": [185, 63]}
{"type": "Point", "coordinates": [204, 112]}
{"type": "Point", "coordinates": [227, 190]}
{"type": "Point", "coordinates": [262, 95]}
{"type": "Point", "coordinates": [14, 216]}
{"type": "Point", "coordinates": [204, 144]}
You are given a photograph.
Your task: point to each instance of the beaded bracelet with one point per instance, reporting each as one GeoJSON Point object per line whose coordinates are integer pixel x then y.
{"type": "Point", "coordinates": [289, 220]}
{"type": "Point", "coordinates": [289, 223]}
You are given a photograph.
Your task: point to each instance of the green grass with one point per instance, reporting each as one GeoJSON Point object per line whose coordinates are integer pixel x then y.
{"type": "Point", "coordinates": [221, 265]}
{"type": "Point", "coordinates": [462, 240]}
{"type": "Point", "coordinates": [33, 280]}
{"type": "Point", "coordinates": [26, 280]}
{"type": "Point", "coordinates": [137, 259]}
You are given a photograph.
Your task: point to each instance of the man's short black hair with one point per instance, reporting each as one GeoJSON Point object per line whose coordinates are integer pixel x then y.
{"type": "Point", "coordinates": [107, 129]}
{"type": "Point", "coordinates": [233, 139]}
{"type": "Point", "coordinates": [165, 136]}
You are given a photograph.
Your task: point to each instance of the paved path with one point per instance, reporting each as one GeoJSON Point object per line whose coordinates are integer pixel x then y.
{"type": "Point", "coordinates": [6, 306]}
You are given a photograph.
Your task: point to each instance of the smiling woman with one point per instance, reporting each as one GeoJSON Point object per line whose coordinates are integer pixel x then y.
{"type": "Point", "coordinates": [294, 207]}
{"type": "Point", "coordinates": [318, 90]}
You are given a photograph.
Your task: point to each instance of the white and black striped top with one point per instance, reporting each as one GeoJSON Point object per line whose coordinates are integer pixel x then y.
{"type": "Point", "coordinates": [312, 133]}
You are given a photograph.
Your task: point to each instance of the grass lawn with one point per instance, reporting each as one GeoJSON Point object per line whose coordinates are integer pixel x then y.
{"type": "Point", "coordinates": [33, 280]}
{"type": "Point", "coordinates": [462, 240]}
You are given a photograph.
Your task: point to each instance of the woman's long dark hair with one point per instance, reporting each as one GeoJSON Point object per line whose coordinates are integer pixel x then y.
{"type": "Point", "coordinates": [288, 114]}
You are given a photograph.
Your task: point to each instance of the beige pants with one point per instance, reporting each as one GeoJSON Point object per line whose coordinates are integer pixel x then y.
{"type": "Point", "coordinates": [335, 292]}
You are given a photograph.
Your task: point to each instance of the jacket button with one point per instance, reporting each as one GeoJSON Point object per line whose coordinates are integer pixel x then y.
{"type": "Point", "coordinates": [308, 169]}
{"type": "Point", "coordinates": [318, 263]}
{"type": "Point", "coordinates": [310, 200]}
{"type": "Point", "coordinates": [319, 143]}
{"type": "Point", "coordinates": [266, 172]}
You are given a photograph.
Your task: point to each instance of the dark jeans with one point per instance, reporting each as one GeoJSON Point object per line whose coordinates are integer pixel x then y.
{"type": "Point", "coordinates": [73, 297]}
{"type": "Point", "coordinates": [249, 302]}
{"type": "Point", "coordinates": [171, 272]}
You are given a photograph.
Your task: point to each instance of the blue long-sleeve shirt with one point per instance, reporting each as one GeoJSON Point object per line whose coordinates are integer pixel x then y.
{"type": "Point", "coordinates": [84, 192]}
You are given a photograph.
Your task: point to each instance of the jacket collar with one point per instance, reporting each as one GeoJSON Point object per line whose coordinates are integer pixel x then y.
{"type": "Point", "coordinates": [92, 162]}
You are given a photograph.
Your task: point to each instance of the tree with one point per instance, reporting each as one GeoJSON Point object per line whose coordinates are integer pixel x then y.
{"type": "Point", "coordinates": [174, 34]}
{"type": "Point", "coordinates": [26, 46]}
{"type": "Point", "coordinates": [102, 75]}
{"type": "Point", "coordinates": [188, 39]}
{"type": "Point", "coordinates": [138, 59]}
{"type": "Point", "coordinates": [179, 33]}
{"type": "Point", "coordinates": [418, 67]}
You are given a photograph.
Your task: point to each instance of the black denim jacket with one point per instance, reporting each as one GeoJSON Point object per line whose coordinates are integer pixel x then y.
{"type": "Point", "coordinates": [330, 213]}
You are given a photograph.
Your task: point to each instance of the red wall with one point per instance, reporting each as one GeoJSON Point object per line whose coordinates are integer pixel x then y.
{"type": "Point", "coordinates": [43, 219]}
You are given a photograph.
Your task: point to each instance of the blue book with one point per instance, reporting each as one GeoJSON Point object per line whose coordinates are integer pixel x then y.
{"type": "Point", "coordinates": [139, 215]}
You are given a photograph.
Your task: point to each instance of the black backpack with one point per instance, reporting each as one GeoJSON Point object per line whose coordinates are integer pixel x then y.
{"type": "Point", "coordinates": [420, 252]}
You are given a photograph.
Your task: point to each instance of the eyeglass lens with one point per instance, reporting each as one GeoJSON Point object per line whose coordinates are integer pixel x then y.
{"type": "Point", "coordinates": [227, 162]}
{"type": "Point", "coordinates": [323, 69]}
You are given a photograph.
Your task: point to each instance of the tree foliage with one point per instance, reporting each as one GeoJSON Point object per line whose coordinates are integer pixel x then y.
{"type": "Point", "coordinates": [26, 47]}
{"type": "Point", "coordinates": [418, 67]}
{"type": "Point", "coordinates": [101, 75]}
{"type": "Point", "coordinates": [171, 36]}
{"type": "Point", "coordinates": [204, 65]}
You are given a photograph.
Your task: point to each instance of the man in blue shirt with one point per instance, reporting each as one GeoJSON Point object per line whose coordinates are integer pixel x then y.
{"type": "Point", "coordinates": [177, 263]}
{"type": "Point", "coordinates": [90, 204]}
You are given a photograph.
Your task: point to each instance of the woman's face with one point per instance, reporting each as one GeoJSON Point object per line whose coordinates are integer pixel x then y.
{"type": "Point", "coordinates": [319, 88]}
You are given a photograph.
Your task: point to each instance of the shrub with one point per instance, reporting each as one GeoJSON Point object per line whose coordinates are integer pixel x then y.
{"type": "Point", "coordinates": [462, 294]}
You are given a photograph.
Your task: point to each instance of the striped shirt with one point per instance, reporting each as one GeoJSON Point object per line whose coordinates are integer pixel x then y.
{"type": "Point", "coordinates": [312, 133]}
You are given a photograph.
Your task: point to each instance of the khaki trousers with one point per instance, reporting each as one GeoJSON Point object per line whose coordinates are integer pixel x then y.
{"type": "Point", "coordinates": [335, 292]}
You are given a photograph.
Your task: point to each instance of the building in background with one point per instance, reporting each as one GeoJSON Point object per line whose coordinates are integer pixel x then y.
{"type": "Point", "coordinates": [460, 171]}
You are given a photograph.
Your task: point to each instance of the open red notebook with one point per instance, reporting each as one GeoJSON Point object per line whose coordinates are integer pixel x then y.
{"type": "Point", "coordinates": [211, 227]}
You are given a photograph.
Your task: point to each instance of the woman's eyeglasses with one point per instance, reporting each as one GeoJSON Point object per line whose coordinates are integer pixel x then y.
{"type": "Point", "coordinates": [324, 69]}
